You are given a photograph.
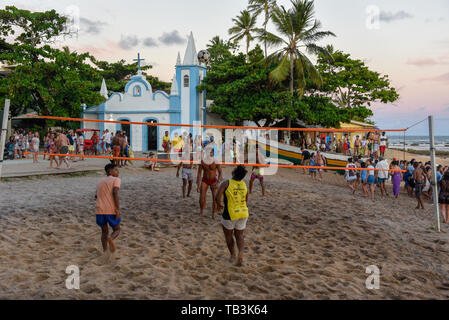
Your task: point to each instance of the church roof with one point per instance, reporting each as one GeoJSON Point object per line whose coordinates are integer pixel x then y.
{"type": "Point", "coordinates": [190, 57]}
{"type": "Point", "coordinates": [178, 60]}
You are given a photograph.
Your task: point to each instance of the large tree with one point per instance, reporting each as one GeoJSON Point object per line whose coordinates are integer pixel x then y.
{"type": "Point", "coordinates": [241, 90]}
{"type": "Point", "coordinates": [298, 31]}
{"type": "Point", "coordinates": [47, 80]}
{"type": "Point", "coordinates": [350, 83]}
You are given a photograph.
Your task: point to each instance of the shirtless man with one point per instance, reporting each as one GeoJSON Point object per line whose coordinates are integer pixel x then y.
{"type": "Point", "coordinates": [209, 179]}
{"type": "Point", "coordinates": [418, 176]}
{"type": "Point", "coordinates": [319, 162]}
{"type": "Point", "coordinates": [187, 173]}
{"type": "Point", "coordinates": [63, 147]}
{"type": "Point", "coordinates": [116, 148]}
{"type": "Point", "coordinates": [357, 145]}
{"type": "Point", "coordinates": [123, 147]}
{"type": "Point", "coordinates": [122, 141]}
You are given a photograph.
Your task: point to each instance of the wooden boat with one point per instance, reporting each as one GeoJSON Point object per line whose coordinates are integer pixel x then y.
{"type": "Point", "coordinates": [294, 154]}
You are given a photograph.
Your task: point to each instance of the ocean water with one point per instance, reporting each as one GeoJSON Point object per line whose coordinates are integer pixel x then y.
{"type": "Point", "coordinates": [418, 142]}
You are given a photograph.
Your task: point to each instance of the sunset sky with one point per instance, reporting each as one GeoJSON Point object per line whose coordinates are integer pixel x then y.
{"type": "Point", "coordinates": [411, 43]}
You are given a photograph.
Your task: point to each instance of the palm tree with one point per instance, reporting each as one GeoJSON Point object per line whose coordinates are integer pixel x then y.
{"type": "Point", "coordinates": [298, 31]}
{"type": "Point", "coordinates": [244, 27]}
{"type": "Point", "coordinates": [265, 6]}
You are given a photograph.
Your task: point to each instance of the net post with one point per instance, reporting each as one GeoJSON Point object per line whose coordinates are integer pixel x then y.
{"type": "Point", "coordinates": [4, 132]}
{"type": "Point", "coordinates": [434, 175]}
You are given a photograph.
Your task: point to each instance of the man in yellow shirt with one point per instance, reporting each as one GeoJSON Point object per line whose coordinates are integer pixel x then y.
{"type": "Point", "coordinates": [177, 143]}
{"type": "Point", "coordinates": [235, 211]}
{"type": "Point", "coordinates": [166, 142]}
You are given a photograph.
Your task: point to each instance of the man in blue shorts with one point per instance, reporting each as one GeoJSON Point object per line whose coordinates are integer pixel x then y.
{"type": "Point", "coordinates": [108, 207]}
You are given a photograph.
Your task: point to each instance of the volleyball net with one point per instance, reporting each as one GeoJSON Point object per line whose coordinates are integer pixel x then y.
{"type": "Point", "coordinates": [265, 147]}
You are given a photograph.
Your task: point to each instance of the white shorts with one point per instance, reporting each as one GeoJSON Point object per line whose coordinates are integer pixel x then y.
{"type": "Point", "coordinates": [351, 178]}
{"type": "Point", "coordinates": [187, 174]}
{"type": "Point", "coordinates": [239, 224]}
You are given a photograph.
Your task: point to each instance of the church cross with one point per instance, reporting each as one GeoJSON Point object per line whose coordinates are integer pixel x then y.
{"type": "Point", "coordinates": [138, 63]}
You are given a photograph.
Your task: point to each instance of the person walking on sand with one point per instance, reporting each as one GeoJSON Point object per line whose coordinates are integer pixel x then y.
{"type": "Point", "coordinates": [397, 178]}
{"type": "Point", "coordinates": [319, 162]}
{"type": "Point", "coordinates": [166, 142]}
{"type": "Point", "coordinates": [370, 179]}
{"type": "Point", "coordinates": [383, 144]}
{"type": "Point", "coordinates": [35, 146]}
{"type": "Point", "coordinates": [108, 206]}
{"type": "Point", "coordinates": [187, 172]}
{"type": "Point", "coordinates": [312, 171]}
{"type": "Point", "coordinates": [235, 211]}
{"type": "Point", "coordinates": [357, 146]}
{"type": "Point", "coordinates": [363, 178]}
{"type": "Point", "coordinates": [207, 177]}
{"type": "Point", "coordinates": [63, 148]}
{"type": "Point", "coordinates": [382, 175]}
{"type": "Point", "coordinates": [257, 172]}
{"type": "Point", "coordinates": [350, 175]}
{"type": "Point", "coordinates": [443, 197]}
{"type": "Point", "coordinates": [52, 149]}
{"type": "Point", "coordinates": [418, 177]}
{"type": "Point", "coordinates": [116, 150]}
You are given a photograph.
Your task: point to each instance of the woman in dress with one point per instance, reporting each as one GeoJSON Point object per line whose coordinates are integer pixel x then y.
{"type": "Point", "coordinates": [397, 178]}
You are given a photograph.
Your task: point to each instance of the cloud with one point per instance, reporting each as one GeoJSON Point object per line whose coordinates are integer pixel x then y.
{"type": "Point", "coordinates": [441, 78]}
{"type": "Point", "coordinates": [90, 26]}
{"type": "Point", "coordinates": [149, 42]}
{"type": "Point", "coordinates": [422, 62]}
{"type": "Point", "coordinates": [390, 16]}
{"type": "Point", "coordinates": [128, 42]}
{"type": "Point", "coordinates": [170, 38]}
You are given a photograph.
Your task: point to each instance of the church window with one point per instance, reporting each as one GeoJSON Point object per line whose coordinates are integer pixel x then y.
{"type": "Point", "coordinates": [186, 81]}
{"type": "Point", "coordinates": [137, 91]}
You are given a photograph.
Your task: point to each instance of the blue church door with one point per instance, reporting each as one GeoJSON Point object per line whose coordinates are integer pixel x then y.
{"type": "Point", "coordinates": [152, 136]}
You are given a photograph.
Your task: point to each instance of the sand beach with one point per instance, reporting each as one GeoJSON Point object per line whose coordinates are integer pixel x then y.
{"type": "Point", "coordinates": [305, 240]}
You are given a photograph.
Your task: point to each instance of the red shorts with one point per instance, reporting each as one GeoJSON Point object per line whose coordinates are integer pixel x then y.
{"type": "Point", "coordinates": [116, 151]}
{"type": "Point", "coordinates": [382, 149]}
{"type": "Point", "coordinates": [210, 182]}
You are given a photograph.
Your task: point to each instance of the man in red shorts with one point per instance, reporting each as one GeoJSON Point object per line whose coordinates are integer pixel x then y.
{"type": "Point", "coordinates": [208, 179]}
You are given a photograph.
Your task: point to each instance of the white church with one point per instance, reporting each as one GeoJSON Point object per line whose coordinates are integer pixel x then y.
{"type": "Point", "coordinates": [184, 105]}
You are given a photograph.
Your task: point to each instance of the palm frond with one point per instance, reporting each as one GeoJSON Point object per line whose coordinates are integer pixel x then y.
{"type": "Point", "coordinates": [312, 73]}
{"type": "Point", "coordinates": [281, 72]}
{"type": "Point", "coordinates": [318, 50]}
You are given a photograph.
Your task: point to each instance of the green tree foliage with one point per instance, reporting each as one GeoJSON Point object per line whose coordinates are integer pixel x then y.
{"type": "Point", "coordinates": [241, 90]}
{"type": "Point", "coordinates": [220, 50]}
{"type": "Point", "coordinates": [46, 80]}
{"type": "Point", "coordinates": [117, 74]}
{"type": "Point", "coordinates": [296, 28]}
{"type": "Point", "coordinates": [351, 84]}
